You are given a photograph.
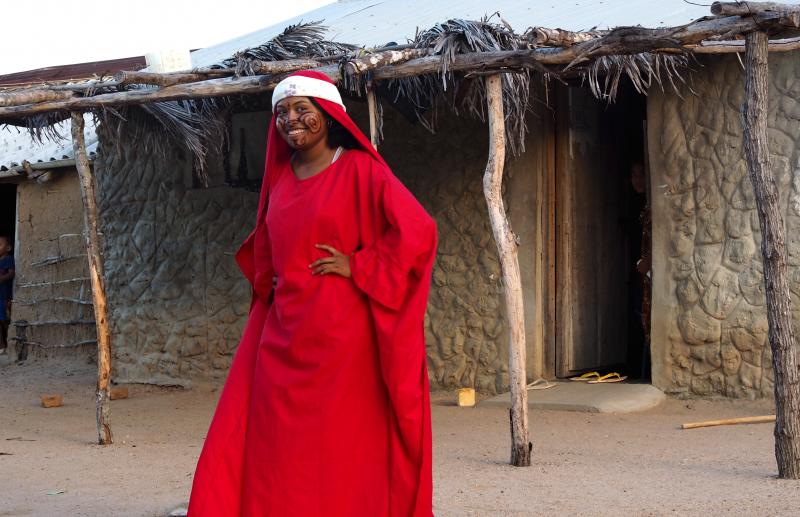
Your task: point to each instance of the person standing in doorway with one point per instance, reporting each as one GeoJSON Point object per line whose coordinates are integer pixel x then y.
{"type": "Point", "coordinates": [642, 307]}
{"type": "Point", "coordinates": [6, 287]}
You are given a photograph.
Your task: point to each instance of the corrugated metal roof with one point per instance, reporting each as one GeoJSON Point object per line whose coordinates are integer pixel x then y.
{"type": "Point", "coordinates": [377, 22]}
{"type": "Point", "coordinates": [17, 145]}
{"type": "Point", "coordinates": [78, 72]}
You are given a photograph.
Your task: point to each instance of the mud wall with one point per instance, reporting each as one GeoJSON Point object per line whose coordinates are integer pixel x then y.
{"type": "Point", "coordinates": [709, 325]}
{"type": "Point", "coordinates": [179, 303]}
{"type": "Point", "coordinates": [465, 326]}
{"type": "Point", "coordinates": [466, 329]}
{"type": "Point", "coordinates": [52, 269]}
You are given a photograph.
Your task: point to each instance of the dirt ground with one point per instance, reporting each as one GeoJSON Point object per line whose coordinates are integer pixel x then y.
{"type": "Point", "coordinates": [589, 464]}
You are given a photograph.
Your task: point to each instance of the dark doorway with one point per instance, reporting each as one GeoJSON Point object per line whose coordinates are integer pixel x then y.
{"type": "Point", "coordinates": [598, 237]}
{"type": "Point", "coordinates": [629, 115]}
{"type": "Point", "coordinates": [8, 210]}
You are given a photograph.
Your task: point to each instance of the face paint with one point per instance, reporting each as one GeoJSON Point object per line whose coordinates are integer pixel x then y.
{"type": "Point", "coordinates": [312, 120]}
{"type": "Point", "coordinates": [299, 122]}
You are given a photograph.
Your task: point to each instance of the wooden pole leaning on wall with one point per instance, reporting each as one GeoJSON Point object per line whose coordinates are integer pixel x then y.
{"type": "Point", "coordinates": [96, 271]}
{"type": "Point", "coordinates": [507, 245]}
{"type": "Point", "coordinates": [755, 111]}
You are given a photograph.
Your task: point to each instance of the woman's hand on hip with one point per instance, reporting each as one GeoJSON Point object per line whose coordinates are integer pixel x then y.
{"type": "Point", "coordinates": [339, 263]}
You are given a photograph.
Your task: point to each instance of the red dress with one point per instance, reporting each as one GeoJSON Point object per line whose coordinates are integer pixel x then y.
{"type": "Point", "coordinates": [326, 410]}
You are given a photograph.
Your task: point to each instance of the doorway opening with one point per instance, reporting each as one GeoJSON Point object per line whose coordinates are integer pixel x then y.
{"type": "Point", "coordinates": [8, 224]}
{"type": "Point", "coordinates": [8, 210]}
{"type": "Point", "coordinates": [598, 233]}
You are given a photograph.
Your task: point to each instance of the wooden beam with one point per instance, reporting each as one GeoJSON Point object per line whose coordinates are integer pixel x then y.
{"type": "Point", "coordinates": [461, 62]}
{"type": "Point", "coordinates": [202, 90]}
{"type": "Point", "coordinates": [754, 113]}
{"type": "Point", "coordinates": [228, 71]}
{"type": "Point", "coordinates": [31, 96]}
{"type": "Point", "coordinates": [102, 393]}
{"type": "Point", "coordinates": [126, 77]}
{"type": "Point", "coordinates": [706, 29]}
{"type": "Point", "coordinates": [281, 67]}
{"type": "Point", "coordinates": [507, 245]}
{"type": "Point", "coordinates": [362, 65]}
{"type": "Point", "coordinates": [724, 47]}
{"type": "Point", "coordinates": [78, 87]}
{"type": "Point", "coordinates": [337, 57]}
{"type": "Point", "coordinates": [562, 38]}
{"type": "Point", "coordinates": [748, 8]}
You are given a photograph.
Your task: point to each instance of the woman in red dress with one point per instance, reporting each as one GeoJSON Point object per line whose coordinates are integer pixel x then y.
{"type": "Point", "coordinates": [326, 410]}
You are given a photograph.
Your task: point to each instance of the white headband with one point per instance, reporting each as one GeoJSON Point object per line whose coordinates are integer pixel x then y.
{"type": "Point", "coordinates": [302, 86]}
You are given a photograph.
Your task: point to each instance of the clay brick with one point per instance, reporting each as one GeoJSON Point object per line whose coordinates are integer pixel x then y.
{"type": "Point", "coordinates": [119, 393]}
{"type": "Point", "coordinates": [51, 401]}
{"type": "Point", "coordinates": [466, 397]}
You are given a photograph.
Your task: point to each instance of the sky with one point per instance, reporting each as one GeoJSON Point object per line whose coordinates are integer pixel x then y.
{"type": "Point", "coordinates": [55, 33]}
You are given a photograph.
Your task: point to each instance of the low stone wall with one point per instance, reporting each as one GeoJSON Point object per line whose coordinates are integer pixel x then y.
{"type": "Point", "coordinates": [709, 316]}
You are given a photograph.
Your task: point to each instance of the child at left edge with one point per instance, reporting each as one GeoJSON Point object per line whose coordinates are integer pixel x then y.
{"type": "Point", "coordinates": [6, 287]}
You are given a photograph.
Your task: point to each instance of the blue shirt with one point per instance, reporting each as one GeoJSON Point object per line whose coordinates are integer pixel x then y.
{"type": "Point", "coordinates": [6, 286]}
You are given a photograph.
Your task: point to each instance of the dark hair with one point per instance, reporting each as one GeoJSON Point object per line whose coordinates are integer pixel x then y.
{"type": "Point", "coordinates": [338, 135]}
{"type": "Point", "coordinates": [8, 240]}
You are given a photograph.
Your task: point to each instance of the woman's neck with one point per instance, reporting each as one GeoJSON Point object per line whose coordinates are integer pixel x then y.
{"type": "Point", "coordinates": [310, 162]}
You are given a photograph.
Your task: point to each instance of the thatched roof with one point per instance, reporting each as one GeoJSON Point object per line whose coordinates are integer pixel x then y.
{"type": "Point", "coordinates": [434, 71]}
{"type": "Point", "coordinates": [371, 23]}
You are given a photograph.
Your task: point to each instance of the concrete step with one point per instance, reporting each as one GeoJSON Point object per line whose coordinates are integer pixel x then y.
{"type": "Point", "coordinates": [617, 397]}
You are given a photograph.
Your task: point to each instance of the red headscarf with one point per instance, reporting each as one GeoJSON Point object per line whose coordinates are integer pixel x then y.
{"type": "Point", "coordinates": [277, 147]}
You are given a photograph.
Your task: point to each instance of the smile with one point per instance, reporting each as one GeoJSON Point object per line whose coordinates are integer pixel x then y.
{"type": "Point", "coordinates": [296, 131]}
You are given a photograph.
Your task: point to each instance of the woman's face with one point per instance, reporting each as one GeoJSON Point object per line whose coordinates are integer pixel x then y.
{"type": "Point", "coordinates": [300, 123]}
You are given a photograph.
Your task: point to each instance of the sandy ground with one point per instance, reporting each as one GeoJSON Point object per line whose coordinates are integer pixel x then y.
{"type": "Point", "coordinates": [601, 464]}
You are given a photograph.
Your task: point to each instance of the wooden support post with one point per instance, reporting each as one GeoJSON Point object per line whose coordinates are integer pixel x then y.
{"type": "Point", "coordinates": [754, 113]}
{"type": "Point", "coordinates": [372, 102]}
{"type": "Point", "coordinates": [102, 394]}
{"type": "Point", "coordinates": [507, 250]}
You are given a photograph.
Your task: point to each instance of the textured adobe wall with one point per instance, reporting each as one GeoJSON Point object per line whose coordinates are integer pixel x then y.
{"type": "Point", "coordinates": [179, 303]}
{"type": "Point", "coordinates": [51, 225]}
{"type": "Point", "coordinates": [465, 330]}
{"type": "Point", "coordinates": [709, 324]}
{"type": "Point", "coordinates": [465, 326]}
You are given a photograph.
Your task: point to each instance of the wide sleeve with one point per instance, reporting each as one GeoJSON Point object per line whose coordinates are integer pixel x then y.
{"type": "Point", "coordinates": [406, 236]}
{"type": "Point", "coordinates": [393, 268]}
{"type": "Point", "coordinates": [255, 260]}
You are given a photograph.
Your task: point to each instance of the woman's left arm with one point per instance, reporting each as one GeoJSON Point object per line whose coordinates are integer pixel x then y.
{"type": "Point", "coordinates": [405, 238]}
